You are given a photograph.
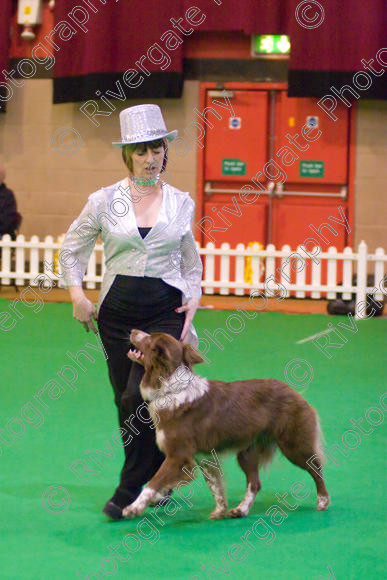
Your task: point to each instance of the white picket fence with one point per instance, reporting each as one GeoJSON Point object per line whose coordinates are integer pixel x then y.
{"type": "Point", "coordinates": [227, 270]}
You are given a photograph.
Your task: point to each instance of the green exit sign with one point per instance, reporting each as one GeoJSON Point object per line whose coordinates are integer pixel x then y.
{"type": "Point", "coordinates": [270, 44]}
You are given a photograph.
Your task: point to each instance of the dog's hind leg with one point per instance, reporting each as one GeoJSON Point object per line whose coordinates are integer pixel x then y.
{"type": "Point", "coordinates": [214, 481]}
{"type": "Point", "coordinates": [303, 448]}
{"type": "Point", "coordinates": [249, 462]}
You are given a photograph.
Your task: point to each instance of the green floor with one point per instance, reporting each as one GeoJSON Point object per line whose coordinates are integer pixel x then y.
{"type": "Point", "coordinates": [347, 541]}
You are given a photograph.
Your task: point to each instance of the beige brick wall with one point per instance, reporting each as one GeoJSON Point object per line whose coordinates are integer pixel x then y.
{"type": "Point", "coordinates": [51, 188]}
{"type": "Point", "coordinates": [371, 174]}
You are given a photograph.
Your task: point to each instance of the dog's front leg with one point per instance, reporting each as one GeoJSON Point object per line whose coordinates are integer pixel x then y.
{"type": "Point", "coordinates": [138, 506]}
{"type": "Point", "coordinates": [168, 476]}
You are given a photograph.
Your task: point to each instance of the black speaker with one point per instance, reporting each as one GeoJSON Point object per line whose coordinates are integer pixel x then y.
{"type": "Point", "coordinates": [340, 306]}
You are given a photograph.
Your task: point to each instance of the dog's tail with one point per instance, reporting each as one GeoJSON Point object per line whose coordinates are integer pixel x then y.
{"type": "Point", "coordinates": [319, 442]}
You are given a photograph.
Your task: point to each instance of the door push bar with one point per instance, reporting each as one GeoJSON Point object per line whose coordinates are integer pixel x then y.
{"type": "Point", "coordinates": [224, 93]}
{"type": "Point", "coordinates": [208, 190]}
{"type": "Point", "coordinates": [278, 191]}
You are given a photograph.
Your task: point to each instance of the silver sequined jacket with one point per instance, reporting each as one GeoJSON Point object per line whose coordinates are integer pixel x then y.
{"type": "Point", "coordinates": [168, 251]}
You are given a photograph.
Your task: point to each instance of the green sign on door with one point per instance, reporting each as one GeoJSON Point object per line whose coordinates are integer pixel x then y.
{"type": "Point", "coordinates": [311, 168]}
{"type": "Point", "coordinates": [233, 167]}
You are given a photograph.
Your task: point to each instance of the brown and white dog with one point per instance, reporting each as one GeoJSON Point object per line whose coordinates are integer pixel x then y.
{"type": "Point", "coordinates": [194, 416]}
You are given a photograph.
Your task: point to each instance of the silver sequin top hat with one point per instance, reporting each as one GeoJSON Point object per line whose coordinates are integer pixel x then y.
{"type": "Point", "coordinates": [142, 123]}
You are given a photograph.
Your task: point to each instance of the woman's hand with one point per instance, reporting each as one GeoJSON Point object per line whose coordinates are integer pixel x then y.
{"type": "Point", "coordinates": [85, 312]}
{"type": "Point", "coordinates": [189, 308]}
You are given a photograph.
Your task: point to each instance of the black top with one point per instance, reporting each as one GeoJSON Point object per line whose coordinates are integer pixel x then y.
{"type": "Point", "coordinates": [144, 231]}
{"type": "Point", "coordinates": [8, 211]}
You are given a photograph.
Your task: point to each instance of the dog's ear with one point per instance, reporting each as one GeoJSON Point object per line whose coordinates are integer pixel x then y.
{"type": "Point", "coordinates": [158, 349]}
{"type": "Point", "coordinates": [191, 356]}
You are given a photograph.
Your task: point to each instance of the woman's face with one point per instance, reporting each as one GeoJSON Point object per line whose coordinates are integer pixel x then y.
{"type": "Point", "coordinates": [147, 162]}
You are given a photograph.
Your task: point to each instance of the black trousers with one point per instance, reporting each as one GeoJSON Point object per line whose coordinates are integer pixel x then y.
{"type": "Point", "coordinates": [147, 304]}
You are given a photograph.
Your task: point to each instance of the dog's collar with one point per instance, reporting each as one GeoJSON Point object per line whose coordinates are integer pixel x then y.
{"type": "Point", "coordinates": [182, 387]}
{"type": "Point", "coordinates": [175, 383]}
{"type": "Point", "coordinates": [179, 380]}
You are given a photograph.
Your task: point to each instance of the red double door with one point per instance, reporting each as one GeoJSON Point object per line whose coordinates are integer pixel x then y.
{"type": "Point", "coordinates": [280, 165]}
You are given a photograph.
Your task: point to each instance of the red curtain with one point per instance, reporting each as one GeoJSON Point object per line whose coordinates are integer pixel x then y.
{"type": "Point", "coordinates": [115, 35]}
{"type": "Point", "coordinates": [121, 32]}
{"type": "Point", "coordinates": [332, 53]}
{"type": "Point", "coordinates": [97, 41]}
{"type": "Point", "coordinates": [250, 16]}
{"type": "Point", "coordinates": [329, 40]}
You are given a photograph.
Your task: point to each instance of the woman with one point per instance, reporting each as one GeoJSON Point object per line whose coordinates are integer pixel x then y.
{"type": "Point", "coordinates": [152, 280]}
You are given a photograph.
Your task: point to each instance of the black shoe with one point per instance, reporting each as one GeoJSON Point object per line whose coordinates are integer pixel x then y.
{"type": "Point", "coordinates": [113, 508]}
{"type": "Point", "coordinates": [113, 511]}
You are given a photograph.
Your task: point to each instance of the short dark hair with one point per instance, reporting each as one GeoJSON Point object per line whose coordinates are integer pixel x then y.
{"type": "Point", "coordinates": [128, 150]}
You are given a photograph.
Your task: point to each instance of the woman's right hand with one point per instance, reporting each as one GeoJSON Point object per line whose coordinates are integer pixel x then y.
{"type": "Point", "coordinates": [84, 311]}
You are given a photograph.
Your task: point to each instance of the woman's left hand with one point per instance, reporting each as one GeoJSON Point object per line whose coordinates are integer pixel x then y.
{"type": "Point", "coordinates": [189, 308]}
